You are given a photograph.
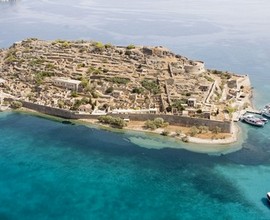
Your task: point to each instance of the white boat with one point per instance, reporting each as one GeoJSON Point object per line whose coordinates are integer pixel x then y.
{"type": "Point", "coordinates": [251, 119]}
{"type": "Point", "coordinates": [265, 120]}
{"type": "Point", "coordinates": [258, 117]}
{"type": "Point", "coordinates": [268, 196]}
{"type": "Point", "coordinates": [266, 112]}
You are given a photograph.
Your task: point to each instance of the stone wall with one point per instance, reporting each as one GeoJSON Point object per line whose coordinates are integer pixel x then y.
{"type": "Point", "coordinates": [182, 121]}
{"type": "Point", "coordinates": [172, 119]}
{"type": "Point", "coordinates": [225, 126]}
{"type": "Point", "coordinates": [195, 67]}
{"type": "Point", "coordinates": [46, 109]}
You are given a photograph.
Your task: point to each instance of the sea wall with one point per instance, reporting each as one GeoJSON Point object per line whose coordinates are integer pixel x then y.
{"type": "Point", "coordinates": [182, 121]}
{"type": "Point", "coordinates": [225, 126]}
{"type": "Point", "coordinates": [46, 109]}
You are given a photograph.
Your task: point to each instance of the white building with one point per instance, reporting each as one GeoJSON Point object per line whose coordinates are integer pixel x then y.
{"type": "Point", "coordinates": [67, 83]}
{"type": "Point", "coordinates": [135, 111]}
{"type": "Point", "coordinates": [191, 102]}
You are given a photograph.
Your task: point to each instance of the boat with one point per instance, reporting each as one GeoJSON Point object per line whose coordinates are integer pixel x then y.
{"type": "Point", "coordinates": [268, 196]}
{"type": "Point", "coordinates": [265, 120]}
{"type": "Point", "coordinates": [251, 119]}
{"type": "Point", "coordinates": [266, 112]}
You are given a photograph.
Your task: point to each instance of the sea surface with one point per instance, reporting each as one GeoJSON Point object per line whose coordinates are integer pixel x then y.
{"type": "Point", "coordinates": [53, 170]}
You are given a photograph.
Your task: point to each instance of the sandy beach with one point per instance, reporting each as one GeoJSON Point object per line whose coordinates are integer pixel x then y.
{"type": "Point", "coordinates": [180, 132]}
{"type": "Point", "coordinates": [202, 143]}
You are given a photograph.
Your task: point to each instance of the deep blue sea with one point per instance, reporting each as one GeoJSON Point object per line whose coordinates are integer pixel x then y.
{"type": "Point", "coordinates": [52, 170]}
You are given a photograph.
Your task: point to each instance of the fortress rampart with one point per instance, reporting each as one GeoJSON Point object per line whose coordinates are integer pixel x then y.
{"type": "Point", "coordinates": [225, 126]}
{"type": "Point", "coordinates": [195, 67]}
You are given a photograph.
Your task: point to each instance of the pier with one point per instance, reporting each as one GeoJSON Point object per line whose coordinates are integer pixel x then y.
{"type": "Point", "coordinates": [237, 115]}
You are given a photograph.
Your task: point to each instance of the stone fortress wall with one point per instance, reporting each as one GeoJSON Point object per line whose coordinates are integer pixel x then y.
{"type": "Point", "coordinates": [195, 67]}
{"type": "Point", "coordinates": [225, 126]}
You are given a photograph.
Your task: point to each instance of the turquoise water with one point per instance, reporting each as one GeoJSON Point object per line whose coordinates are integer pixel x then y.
{"type": "Point", "coordinates": [51, 170]}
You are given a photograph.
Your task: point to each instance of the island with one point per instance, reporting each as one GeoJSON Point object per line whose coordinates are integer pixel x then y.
{"type": "Point", "coordinates": [136, 87]}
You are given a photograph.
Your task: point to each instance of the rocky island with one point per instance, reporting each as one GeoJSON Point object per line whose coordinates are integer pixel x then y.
{"type": "Point", "coordinates": [88, 79]}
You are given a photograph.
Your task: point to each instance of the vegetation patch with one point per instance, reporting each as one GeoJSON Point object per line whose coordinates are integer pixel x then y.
{"type": "Point", "coordinates": [138, 90]}
{"type": "Point", "coordinates": [178, 104]}
{"type": "Point", "coordinates": [113, 121]}
{"type": "Point", "coordinates": [40, 76]}
{"type": "Point", "coordinates": [131, 46]}
{"type": "Point", "coordinates": [15, 104]}
{"type": "Point", "coordinates": [156, 123]}
{"type": "Point", "coordinates": [151, 86]}
{"type": "Point", "coordinates": [118, 80]}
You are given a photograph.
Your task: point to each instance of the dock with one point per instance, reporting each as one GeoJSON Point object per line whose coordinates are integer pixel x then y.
{"type": "Point", "coordinates": [237, 115]}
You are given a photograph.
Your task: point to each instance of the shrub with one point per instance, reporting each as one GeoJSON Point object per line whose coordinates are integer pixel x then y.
{"type": "Point", "coordinates": [216, 130]}
{"type": "Point", "coordinates": [109, 90]}
{"type": "Point", "coordinates": [138, 90]}
{"type": "Point", "coordinates": [156, 123]}
{"type": "Point", "coordinates": [131, 46]}
{"type": "Point", "coordinates": [98, 45]}
{"type": "Point", "coordinates": [193, 131]}
{"type": "Point", "coordinates": [165, 133]}
{"type": "Point", "coordinates": [178, 132]}
{"type": "Point", "coordinates": [84, 82]}
{"type": "Point", "coordinates": [61, 104]}
{"type": "Point", "coordinates": [203, 129]}
{"type": "Point", "coordinates": [74, 94]}
{"type": "Point", "coordinates": [94, 94]}
{"type": "Point", "coordinates": [108, 45]}
{"type": "Point", "coordinates": [169, 109]}
{"type": "Point", "coordinates": [114, 121]}
{"type": "Point", "coordinates": [178, 105]}
{"type": "Point", "coordinates": [118, 80]}
{"type": "Point", "coordinates": [16, 104]}
{"type": "Point", "coordinates": [185, 139]}
{"type": "Point", "coordinates": [150, 85]}
{"type": "Point", "coordinates": [199, 111]}
{"type": "Point", "coordinates": [209, 79]}
{"type": "Point", "coordinates": [49, 66]}
{"type": "Point", "coordinates": [150, 125]}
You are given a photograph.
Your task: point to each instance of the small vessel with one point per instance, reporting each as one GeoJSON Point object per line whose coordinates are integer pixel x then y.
{"type": "Point", "coordinates": [268, 196]}
{"type": "Point", "coordinates": [266, 112]}
{"type": "Point", "coordinates": [257, 116]}
{"type": "Point", "coordinates": [251, 119]}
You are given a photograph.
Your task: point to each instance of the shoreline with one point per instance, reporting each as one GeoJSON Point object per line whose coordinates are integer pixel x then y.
{"type": "Point", "coordinates": [195, 144]}
{"type": "Point", "coordinates": [199, 145]}
{"type": "Point", "coordinates": [232, 138]}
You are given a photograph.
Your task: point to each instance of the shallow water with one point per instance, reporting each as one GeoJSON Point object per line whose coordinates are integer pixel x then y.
{"type": "Point", "coordinates": [55, 170]}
